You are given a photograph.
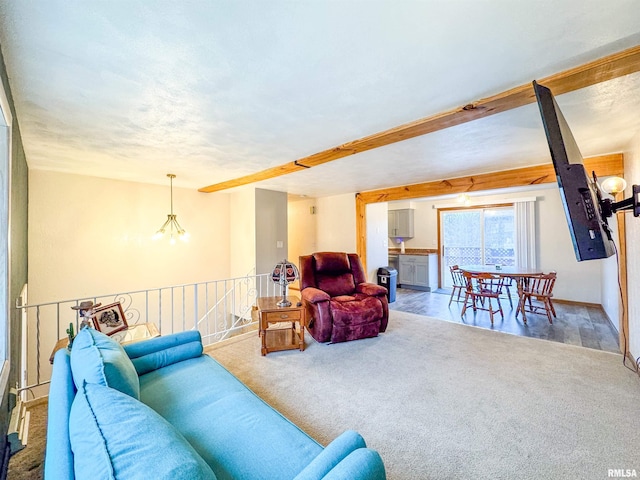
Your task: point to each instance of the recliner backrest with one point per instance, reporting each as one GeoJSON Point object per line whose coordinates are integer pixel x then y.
{"type": "Point", "coordinates": [333, 273]}
{"type": "Point", "coordinates": [336, 273]}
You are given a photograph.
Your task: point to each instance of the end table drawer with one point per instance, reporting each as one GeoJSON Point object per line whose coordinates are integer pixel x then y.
{"type": "Point", "coordinates": [290, 316]}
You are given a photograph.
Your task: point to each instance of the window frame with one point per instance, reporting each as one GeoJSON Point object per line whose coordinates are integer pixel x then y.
{"type": "Point", "coordinates": [6, 124]}
{"type": "Point", "coordinates": [443, 270]}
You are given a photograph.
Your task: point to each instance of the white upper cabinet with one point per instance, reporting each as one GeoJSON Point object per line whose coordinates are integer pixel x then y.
{"type": "Point", "coordinates": [401, 223]}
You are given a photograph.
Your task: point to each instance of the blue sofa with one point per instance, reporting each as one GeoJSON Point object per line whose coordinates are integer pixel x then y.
{"type": "Point", "coordinates": [160, 409]}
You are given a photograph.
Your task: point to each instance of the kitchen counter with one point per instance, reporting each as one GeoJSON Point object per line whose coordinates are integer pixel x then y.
{"type": "Point", "coordinates": [413, 251]}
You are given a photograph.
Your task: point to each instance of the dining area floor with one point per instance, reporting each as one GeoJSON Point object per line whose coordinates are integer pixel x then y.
{"type": "Point", "coordinates": [576, 324]}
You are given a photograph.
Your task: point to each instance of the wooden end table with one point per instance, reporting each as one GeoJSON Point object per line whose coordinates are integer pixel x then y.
{"type": "Point", "coordinates": [277, 339]}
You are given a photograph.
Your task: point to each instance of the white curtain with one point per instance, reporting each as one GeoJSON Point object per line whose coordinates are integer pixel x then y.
{"type": "Point", "coordinates": [525, 224]}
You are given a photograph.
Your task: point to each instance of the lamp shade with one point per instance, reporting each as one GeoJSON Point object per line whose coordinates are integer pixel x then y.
{"type": "Point", "coordinates": [613, 185]}
{"type": "Point", "coordinates": [284, 273]}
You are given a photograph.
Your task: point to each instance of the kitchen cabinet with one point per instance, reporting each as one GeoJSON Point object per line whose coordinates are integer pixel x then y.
{"type": "Point", "coordinates": [418, 271]}
{"type": "Point", "coordinates": [401, 223]}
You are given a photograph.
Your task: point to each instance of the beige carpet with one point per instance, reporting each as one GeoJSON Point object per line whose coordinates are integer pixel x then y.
{"type": "Point", "coordinates": [440, 400]}
{"type": "Point", "coordinates": [28, 463]}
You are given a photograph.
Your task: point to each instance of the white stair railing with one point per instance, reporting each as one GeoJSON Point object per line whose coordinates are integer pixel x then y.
{"type": "Point", "coordinates": [218, 309]}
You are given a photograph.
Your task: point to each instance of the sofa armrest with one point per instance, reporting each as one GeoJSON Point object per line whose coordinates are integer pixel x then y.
{"type": "Point", "coordinates": [332, 455]}
{"type": "Point", "coordinates": [159, 352]}
{"type": "Point", "coordinates": [361, 464]}
{"type": "Point", "coordinates": [371, 289]}
{"type": "Point", "coordinates": [314, 295]}
{"type": "Point", "coordinates": [58, 462]}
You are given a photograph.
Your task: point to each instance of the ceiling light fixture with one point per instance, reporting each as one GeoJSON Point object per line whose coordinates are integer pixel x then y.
{"type": "Point", "coordinates": [172, 222]}
{"type": "Point", "coordinates": [464, 199]}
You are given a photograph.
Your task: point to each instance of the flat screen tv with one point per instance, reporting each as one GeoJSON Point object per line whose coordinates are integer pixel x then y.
{"type": "Point", "coordinates": [580, 193]}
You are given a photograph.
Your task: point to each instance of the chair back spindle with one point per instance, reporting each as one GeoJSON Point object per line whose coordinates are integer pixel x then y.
{"type": "Point", "coordinates": [459, 284]}
{"type": "Point", "coordinates": [536, 296]}
{"type": "Point", "coordinates": [481, 287]}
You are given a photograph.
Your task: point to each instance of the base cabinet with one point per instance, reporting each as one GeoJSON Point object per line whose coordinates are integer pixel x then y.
{"type": "Point", "coordinates": [418, 271]}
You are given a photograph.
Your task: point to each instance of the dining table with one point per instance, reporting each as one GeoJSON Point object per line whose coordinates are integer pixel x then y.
{"type": "Point", "coordinates": [503, 270]}
{"type": "Point", "coordinates": [520, 275]}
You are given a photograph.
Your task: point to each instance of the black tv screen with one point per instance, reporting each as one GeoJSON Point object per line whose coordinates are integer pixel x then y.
{"type": "Point", "coordinates": [580, 195]}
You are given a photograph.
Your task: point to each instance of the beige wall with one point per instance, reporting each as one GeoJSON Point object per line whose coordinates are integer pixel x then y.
{"type": "Point", "coordinates": [92, 236]}
{"type": "Point", "coordinates": [377, 241]}
{"type": "Point", "coordinates": [336, 223]}
{"type": "Point", "coordinates": [272, 240]}
{"type": "Point", "coordinates": [579, 282]}
{"type": "Point", "coordinates": [610, 294]}
{"type": "Point", "coordinates": [302, 228]}
{"type": "Point", "coordinates": [588, 282]}
{"type": "Point", "coordinates": [241, 232]}
{"type": "Point", "coordinates": [632, 175]}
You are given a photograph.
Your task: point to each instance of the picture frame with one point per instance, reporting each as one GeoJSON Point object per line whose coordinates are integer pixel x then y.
{"type": "Point", "coordinates": [109, 319]}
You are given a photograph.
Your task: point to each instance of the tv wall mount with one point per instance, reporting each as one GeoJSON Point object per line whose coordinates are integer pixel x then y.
{"type": "Point", "coordinates": [608, 207]}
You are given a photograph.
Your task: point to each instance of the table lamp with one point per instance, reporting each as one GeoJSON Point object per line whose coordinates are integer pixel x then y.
{"type": "Point", "coordinates": [284, 273]}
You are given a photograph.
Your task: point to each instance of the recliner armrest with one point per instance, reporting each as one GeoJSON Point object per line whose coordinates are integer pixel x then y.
{"type": "Point", "coordinates": [314, 295]}
{"type": "Point", "coordinates": [371, 289]}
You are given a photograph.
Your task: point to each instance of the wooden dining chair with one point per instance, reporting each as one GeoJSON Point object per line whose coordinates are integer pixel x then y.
{"type": "Point", "coordinates": [536, 296]}
{"type": "Point", "coordinates": [459, 283]}
{"type": "Point", "coordinates": [481, 287]}
{"type": "Point", "coordinates": [508, 282]}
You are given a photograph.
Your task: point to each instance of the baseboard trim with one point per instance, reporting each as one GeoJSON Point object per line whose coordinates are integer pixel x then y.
{"type": "Point", "coordinates": [578, 304]}
{"type": "Point", "coordinates": [228, 341]}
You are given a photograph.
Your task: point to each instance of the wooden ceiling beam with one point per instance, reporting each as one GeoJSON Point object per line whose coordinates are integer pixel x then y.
{"type": "Point", "coordinates": [604, 166]}
{"type": "Point", "coordinates": [601, 70]}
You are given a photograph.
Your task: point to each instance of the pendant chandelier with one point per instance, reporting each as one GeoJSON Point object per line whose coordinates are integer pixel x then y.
{"type": "Point", "coordinates": [171, 225]}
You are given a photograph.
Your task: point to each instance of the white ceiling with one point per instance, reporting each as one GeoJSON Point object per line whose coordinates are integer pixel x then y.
{"type": "Point", "coordinates": [212, 90]}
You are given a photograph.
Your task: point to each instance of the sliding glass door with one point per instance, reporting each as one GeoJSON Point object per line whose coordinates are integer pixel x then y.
{"type": "Point", "coordinates": [476, 236]}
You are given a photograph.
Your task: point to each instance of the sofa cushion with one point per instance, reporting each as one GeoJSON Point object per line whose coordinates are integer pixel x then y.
{"type": "Point", "coordinates": [153, 361]}
{"type": "Point", "coordinates": [97, 358]}
{"type": "Point", "coordinates": [234, 431]}
{"type": "Point", "coordinates": [157, 344]}
{"type": "Point", "coordinates": [114, 436]}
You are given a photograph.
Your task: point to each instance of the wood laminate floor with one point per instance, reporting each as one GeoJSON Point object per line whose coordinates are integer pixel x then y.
{"type": "Point", "coordinates": [581, 325]}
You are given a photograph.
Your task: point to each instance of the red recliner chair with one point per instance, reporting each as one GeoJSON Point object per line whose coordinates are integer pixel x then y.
{"type": "Point", "coordinates": [339, 303]}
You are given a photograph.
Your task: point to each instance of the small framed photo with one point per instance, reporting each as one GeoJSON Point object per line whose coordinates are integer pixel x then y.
{"type": "Point", "coordinates": [109, 319]}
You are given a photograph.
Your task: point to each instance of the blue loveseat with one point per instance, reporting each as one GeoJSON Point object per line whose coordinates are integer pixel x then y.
{"type": "Point", "coordinates": [160, 409]}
